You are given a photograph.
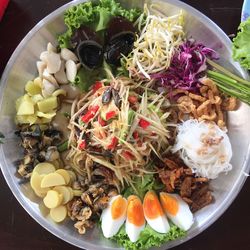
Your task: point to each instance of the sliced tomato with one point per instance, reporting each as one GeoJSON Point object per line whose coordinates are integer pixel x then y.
{"type": "Point", "coordinates": [110, 115]}
{"type": "Point", "coordinates": [113, 143]}
{"type": "Point", "coordinates": [90, 114]}
{"type": "Point", "coordinates": [97, 86]}
{"type": "Point", "coordinates": [135, 135]}
{"type": "Point", "coordinates": [101, 121]}
{"type": "Point", "coordinates": [127, 155]}
{"type": "Point", "coordinates": [143, 123]}
{"type": "Point", "coordinates": [82, 145]}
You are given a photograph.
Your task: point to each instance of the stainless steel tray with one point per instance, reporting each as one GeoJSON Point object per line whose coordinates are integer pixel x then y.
{"type": "Point", "coordinates": [22, 67]}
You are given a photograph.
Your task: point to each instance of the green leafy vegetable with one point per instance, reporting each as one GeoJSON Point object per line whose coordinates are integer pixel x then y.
{"type": "Point", "coordinates": [66, 114]}
{"type": "Point", "coordinates": [122, 70]}
{"type": "Point", "coordinates": [241, 45]}
{"type": "Point", "coordinates": [95, 15]}
{"type": "Point", "coordinates": [142, 185]}
{"type": "Point", "coordinates": [229, 83]}
{"type": "Point", "coordinates": [86, 78]}
{"type": "Point", "coordinates": [63, 146]}
{"type": "Point", "coordinates": [1, 137]}
{"type": "Point", "coordinates": [148, 238]}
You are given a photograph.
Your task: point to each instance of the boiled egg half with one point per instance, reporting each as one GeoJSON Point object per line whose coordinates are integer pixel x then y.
{"type": "Point", "coordinates": [114, 216]}
{"type": "Point", "coordinates": [154, 214]}
{"type": "Point", "coordinates": [177, 210]}
{"type": "Point", "coordinates": [135, 222]}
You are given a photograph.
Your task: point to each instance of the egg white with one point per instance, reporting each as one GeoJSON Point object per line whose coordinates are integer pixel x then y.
{"type": "Point", "coordinates": [109, 226]}
{"type": "Point", "coordinates": [184, 218]}
{"type": "Point", "coordinates": [159, 224]}
{"type": "Point", "coordinates": [133, 231]}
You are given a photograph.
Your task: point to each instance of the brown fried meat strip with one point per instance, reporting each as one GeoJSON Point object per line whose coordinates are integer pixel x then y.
{"type": "Point", "coordinates": [178, 178]}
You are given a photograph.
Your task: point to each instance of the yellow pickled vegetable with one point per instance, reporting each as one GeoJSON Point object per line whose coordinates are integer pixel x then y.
{"type": "Point", "coordinates": [44, 168]}
{"type": "Point", "coordinates": [64, 174]}
{"type": "Point", "coordinates": [47, 104]}
{"type": "Point", "coordinates": [58, 214]}
{"type": "Point", "coordinates": [45, 115]}
{"type": "Point", "coordinates": [35, 182]}
{"type": "Point", "coordinates": [59, 92]}
{"type": "Point", "coordinates": [52, 199]}
{"type": "Point", "coordinates": [72, 175]}
{"type": "Point", "coordinates": [38, 82]}
{"type": "Point", "coordinates": [26, 106]}
{"type": "Point", "coordinates": [26, 119]}
{"type": "Point", "coordinates": [32, 88]}
{"type": "Point", "coordinates": [37, 98]}
{"type": "Point", "coordinates": [52, 179]}
{"type": "Point", "coordinates": [65, 192]}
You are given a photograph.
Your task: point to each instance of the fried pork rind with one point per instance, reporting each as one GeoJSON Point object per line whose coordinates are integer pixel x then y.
{"type": "Point", "coordinates": [209, 105]}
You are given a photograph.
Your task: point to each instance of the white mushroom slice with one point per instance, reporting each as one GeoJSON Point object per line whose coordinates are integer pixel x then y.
{"type": "Point", "coordinates": [44, 56]}
{"type": "Point", "coordinates": [49, 77]}
{"type": "Point", "coordinates": [48, 88]}
{"type": "Point", "coordinates": [51, 48]}
{"type": "Point", "coordinates": [41, 66]}
{"type": "Point", "coordinates": [53, 62]}
{"type": "Point", "coordinates": [67, 54]}
{"type": "Point", "coordinates": [61, 75]}
{"type": "Point", "coordinates": [71, 70]}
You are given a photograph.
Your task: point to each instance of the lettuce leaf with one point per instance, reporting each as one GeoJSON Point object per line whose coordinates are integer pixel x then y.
{"type": "Point", "coordinates": [241, 45]}
{"type": "Point", "coordinates": [95, 15]}
{"type": "Point", "coordinates": [148, 238]}
{"type": "Point", "coordinates": [142, 185]}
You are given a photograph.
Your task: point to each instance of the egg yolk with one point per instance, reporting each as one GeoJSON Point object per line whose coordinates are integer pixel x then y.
{"type": "Point", "coordinates": [169, 203]}
{"type": "Point", "coordinates": [151, 205]}
{"type": "Point", "coordinates": [118, 207]}
{"type": "Point", "coordinates": [135, 213]}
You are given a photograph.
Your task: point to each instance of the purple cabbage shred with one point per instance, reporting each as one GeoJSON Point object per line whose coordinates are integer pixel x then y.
{"type": "Point", "coordinates": [188, 65]}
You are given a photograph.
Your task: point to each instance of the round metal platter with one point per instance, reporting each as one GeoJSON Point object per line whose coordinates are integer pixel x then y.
{"type": "Point", "coordinates": [22, 67]}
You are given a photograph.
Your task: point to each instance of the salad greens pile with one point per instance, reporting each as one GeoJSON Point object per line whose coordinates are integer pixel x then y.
{"type": "Point", "coordinates": [241, 45]}
{"type": "Point", "coordinates": [148, 238]}
{"type": "Point", "coordinates": [94, 15]}
{"type": "Point", "coordinates": [142, 185]}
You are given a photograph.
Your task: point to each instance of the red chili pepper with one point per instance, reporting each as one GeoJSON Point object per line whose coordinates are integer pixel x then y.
{"type": "Point", "coordinates": [90, 114]}
{"type": "Point", "coordinates": [110, 115]}
{"type": "Point", "coordinates": [133, 99]}
{"type": "Point", "coordinates": [139, 143]}
{"type": "Point", "coordinates": [101, 121]}
{"type": "Point", "coordinates": [143, 123]}
{"type": "Point", "coordinates": [82, 145]}
{"type": "Point", "coordinates": [128, 155]}
{"type": "Point", "coordinates": [113, 143]}
{"type": "Point", "coordinates": [97, 86]}
{"type": "Point", "coordinates": [136, 135]}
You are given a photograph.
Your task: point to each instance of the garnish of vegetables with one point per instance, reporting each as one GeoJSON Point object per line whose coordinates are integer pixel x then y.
{"type": "Point", "coordinates": [241, 45]}
{"type": "Point", "coordinates": [188, 65]}
{"type": "Point", "coordinates": [229, 83]}
{"type": "Point", "coordinates": [156, 45]}
{"type": "Point", "coordinates": [118, 128]}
